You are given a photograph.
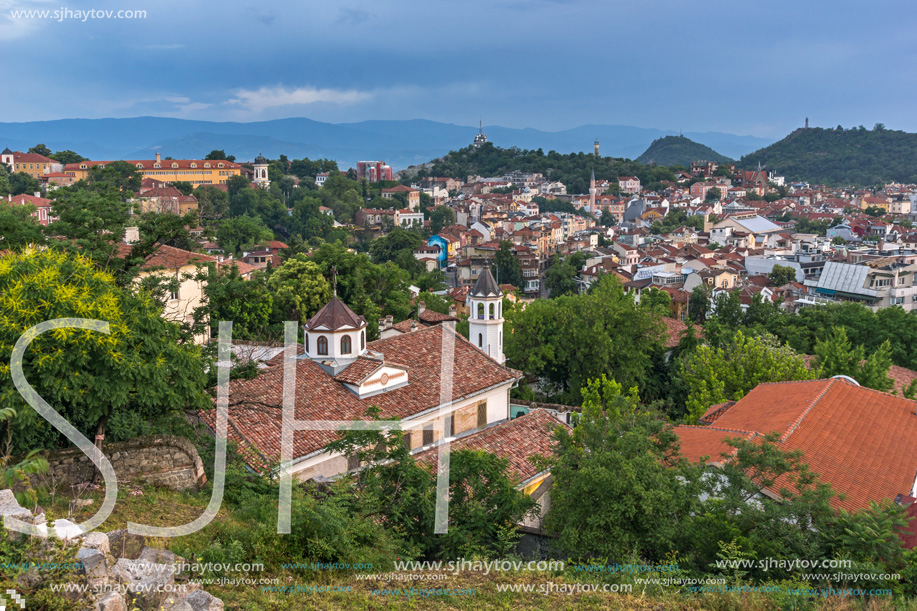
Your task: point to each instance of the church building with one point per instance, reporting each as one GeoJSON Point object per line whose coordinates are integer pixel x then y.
{"type": "Point", "coordinates": [340, 375]}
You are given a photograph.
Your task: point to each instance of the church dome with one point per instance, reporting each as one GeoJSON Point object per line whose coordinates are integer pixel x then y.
{"type": "Point", "coordinates": [260, 160]}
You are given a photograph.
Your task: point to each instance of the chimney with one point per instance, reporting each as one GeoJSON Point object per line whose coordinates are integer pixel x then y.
{"type": "Point", "coordinates": [37, 194]}
{"type": "Point", "coordinates": [157, 158]}
{"type": "Point", "coordinates": [421, 308]}
{"type": "Point", "coordinates": [413, 325]}
{"type": "Point", "coordinates": [381, 325]}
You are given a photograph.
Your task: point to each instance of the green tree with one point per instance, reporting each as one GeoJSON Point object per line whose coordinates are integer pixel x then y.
{"type": "Point", "coordinates": [40, 149]}
{"type": "Point", "coordinates": [235, 235]}
{"type": "Point", "coordinates": [484, 504]}
{"type": "Point", "coordinates": [4, 180]}
{"type": "Point", "coordinates": [440, 217]}
{"type": "Point", "coordinates": [732, 516]}
{"type": "Point", "coordinates": [371, 290]}
{"type": "Point", "coordinates": [782, 274]}
{"type": "Point", "coordinates": [575, 338]}
{"type": "Point", "coordinates": [168, 229]}
{"type": "Point", "coordinates": [141, 367]}
{"type": "Point", "coordinates": [299, 288]}
{"type": "Point", "coordinates": [67, 156]}
{"type": "Point", "coordinates": [20, 182]}
{"type": "Point", "coordinates": [657, 301]}
{"type": "Point", "coordinates": [397, 241]}
{"type": "Point", "coordinates": [247, 303]}
{"type": "Point", "coordinates": [119, 175]}
{"type": "Point", "coordinates": [713, 194]}
{"type": "Point", "coordinates": [837, 356]}
{"type": "Point", "coordinates": [716, 374]}
{"type": "Point", "coordinates": [620, 486]}
{"type": "Point", "coordinates": [18, 228]}
{"type": "Point", "coordinates": [838, 241]}
{"type": "Point", "coordinates": [507, 268]}
{"type": "Point", "coordinates": [699, 304]}
{"type": "Point", "coordinates": [560, 277]}
{"type": "Point", "coordinates": [218, 154]}
{"type": "Point", "coordinates": [212, 203]}
{"type": "Point", "coordinates": [90, 222]}
{"type": "Point", "coordinates": [607, 219]}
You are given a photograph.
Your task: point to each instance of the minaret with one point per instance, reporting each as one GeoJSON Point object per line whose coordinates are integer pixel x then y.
{"type": "Point", "coordinates": [592, 193]}
{"type": "Point", "coordinates": [261, 175]}
{"type": "Point", "coordinates": [485, 321]}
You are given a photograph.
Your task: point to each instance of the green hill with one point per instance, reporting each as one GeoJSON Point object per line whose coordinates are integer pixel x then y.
{"type": "Point", "coordinates": [841, 156]}
{"type": "Point", "coordinates": [678, 150]}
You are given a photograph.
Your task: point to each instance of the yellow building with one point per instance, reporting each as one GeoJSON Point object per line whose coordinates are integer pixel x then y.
{"type": "Point", "coordinates": [33, 164]}
{"type": "Point", "coordinates": [195, 171]}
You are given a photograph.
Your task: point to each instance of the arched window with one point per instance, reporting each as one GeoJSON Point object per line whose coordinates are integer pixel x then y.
{"type": "Point", "coordinates": [307, 342]}
{"type": "Point", "coordinates": [322, 345]}
{"type": "Point", "coordinates": [481, 311]}
{"type": "Point", "coordinates": [500, 310]}
{"type": "Point", "coordinates": [501, 340]}
{"type": "Point", "coordinates": [480, 340]}
{"type": "Point", "coordinates": [492, 311]}
{"type": "Point", "coordinates": [345, 344]}
{"type": "Point", "coordinates": [362, 340]}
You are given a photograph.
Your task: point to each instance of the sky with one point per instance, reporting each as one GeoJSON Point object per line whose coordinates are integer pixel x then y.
{"type": "Point", "coordinates": [739, 67]}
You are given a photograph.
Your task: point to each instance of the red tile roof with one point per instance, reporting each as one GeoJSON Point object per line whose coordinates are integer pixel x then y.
{"type": "Point", "coordinates": [30, 158]}
{"type": "Point", "coordinates": [359, 370]}
{"type": "Point", "coordinates": [255, 414]}
{"type": "Point", "coordinates": [169, 257]}
{"type": "Point", "coordinates": [858, 439]}
{"type": "Point", "coordinates": [164, 164]}
{"type": "Point", "coordinates": [516, 440]}
{"type": "Point", "coordinates": [699, 441]}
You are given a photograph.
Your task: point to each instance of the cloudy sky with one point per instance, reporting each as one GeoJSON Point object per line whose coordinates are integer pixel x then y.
{"type": "Point", "coordinates": [754, 68]}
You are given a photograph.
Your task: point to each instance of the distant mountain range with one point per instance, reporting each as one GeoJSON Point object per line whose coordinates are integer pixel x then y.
{"type": "Point", "coordinates": [678, 150]}
{"type": "Point", "coordinates": [841, 156]}
{"type": "Point", "coordinates": [399, 143]}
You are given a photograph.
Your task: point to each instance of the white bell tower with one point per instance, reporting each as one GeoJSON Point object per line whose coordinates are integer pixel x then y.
{"type": "Point", "coordinates": [261, 175]}
{"type": "Point", "coordinates": [485, 321]}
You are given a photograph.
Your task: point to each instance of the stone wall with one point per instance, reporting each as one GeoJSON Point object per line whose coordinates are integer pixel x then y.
{"type": "Point", "coordinates": [166, 460]}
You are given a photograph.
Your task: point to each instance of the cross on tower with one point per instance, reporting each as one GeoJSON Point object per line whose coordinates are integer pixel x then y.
{"type": "Point", "coordinates": [334, 279]}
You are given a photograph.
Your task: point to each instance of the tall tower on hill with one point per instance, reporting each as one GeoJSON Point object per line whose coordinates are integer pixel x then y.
{"type": "Point", "coordinates": [596, 148]}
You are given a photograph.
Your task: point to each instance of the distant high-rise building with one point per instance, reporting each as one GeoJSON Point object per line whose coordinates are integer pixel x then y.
{"type": "Point", "coordinates": [480, 138]}
{"type": "Point", "coordinates": [374, 171]}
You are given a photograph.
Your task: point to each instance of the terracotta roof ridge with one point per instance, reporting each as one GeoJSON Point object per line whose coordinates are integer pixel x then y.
{"type": "Point", "coordinates": [719, 428]}
{"type": "Point", "coordinates": [805, 413]}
